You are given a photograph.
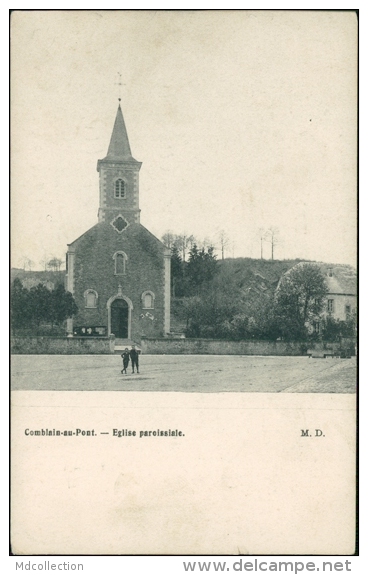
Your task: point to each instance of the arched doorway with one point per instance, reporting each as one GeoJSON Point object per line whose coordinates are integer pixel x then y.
{"type": "Point", "coordinates": [119, 323]}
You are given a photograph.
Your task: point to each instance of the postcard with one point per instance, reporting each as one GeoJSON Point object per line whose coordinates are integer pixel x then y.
{"type": "Point", "coordinates": [183, 244]}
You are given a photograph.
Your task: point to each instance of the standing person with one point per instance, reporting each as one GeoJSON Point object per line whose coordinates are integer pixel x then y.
{"type": "Point", "coordinates": [125, 356]}
{"type": "Point", "coordinates": [134, 354]}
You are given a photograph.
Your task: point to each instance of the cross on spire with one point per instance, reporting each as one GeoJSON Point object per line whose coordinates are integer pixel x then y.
{"type": "Point", "coordinates": [120, 84]}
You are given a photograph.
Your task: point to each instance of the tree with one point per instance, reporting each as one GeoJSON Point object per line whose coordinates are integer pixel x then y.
{"type": "Point", "coordinates": [224, 242]}
{"type": "Point", "coordinates": [182, 242]}
{"type": "Point", "coordinates": [261, 235]}
{"type": "Point", "coordinates": [255, 317]}
{"type": "Point", "coordinates": [20, 305]}
{"type": "Point", "coordinates": [334, 329]}
{"type": "Point", "coordinates": [210, 315]}
{"type": "Point", "coordinates": [168, 239]}
{"type": "Point", "coordinates": [54, 264]}
{"type": "Point", "coordinates": [26, 263]}
{"type": "Point", "coordinates": [201, 267]}
{"type": "Point", "coordinates": [39, 305]}
{"type": "Point", "coordinates": [272, 235]}
{"type": "Point", "coordinates": [299, 300]}
{"type": "Point", "coordinates": [205, 243]}
{"type": "Point", "coordinates": [44, 262]}
{"type": "Point", "coordinates": [62, 305]}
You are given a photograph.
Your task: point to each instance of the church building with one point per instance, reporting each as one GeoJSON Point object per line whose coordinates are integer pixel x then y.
{"type": "Point", "coordinates": [117, 271]}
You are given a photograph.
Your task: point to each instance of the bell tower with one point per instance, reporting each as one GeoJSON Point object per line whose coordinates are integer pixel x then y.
{"type": "Point", "coordinates": [119, 180]}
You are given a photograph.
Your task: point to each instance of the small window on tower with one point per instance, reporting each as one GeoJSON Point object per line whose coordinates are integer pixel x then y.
{"type": "Point", "coordinates": [119, 188]}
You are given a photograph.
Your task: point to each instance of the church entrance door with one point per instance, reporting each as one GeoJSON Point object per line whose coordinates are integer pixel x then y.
{"type": "Point", "coordinates": [120, 318]}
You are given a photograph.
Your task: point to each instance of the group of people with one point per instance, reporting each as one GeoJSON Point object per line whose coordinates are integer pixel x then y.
{"type": "Point", "coordinates": [132, 356]}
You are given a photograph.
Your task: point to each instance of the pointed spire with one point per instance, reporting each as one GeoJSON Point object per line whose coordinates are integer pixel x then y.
{"type": "Point", "coordinates": [119, 148]}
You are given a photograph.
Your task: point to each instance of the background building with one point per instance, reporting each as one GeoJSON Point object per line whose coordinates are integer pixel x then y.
{"type": "Point", "coordinates": [341, 302]}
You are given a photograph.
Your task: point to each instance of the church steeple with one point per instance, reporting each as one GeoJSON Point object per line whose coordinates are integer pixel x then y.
{"type": "Point", "coordinates": [119, 172]}
{"type": "Point", "coordinates": [119, 148]}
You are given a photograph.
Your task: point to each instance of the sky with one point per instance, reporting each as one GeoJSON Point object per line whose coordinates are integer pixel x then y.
{"type": "Point", "coordinates": [243, 121]}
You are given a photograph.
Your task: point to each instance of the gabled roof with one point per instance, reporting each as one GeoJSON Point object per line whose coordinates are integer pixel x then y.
{"type": "Point", "coordinates": [119, 148]}
{"type": "Point", "coordinates": [340, 278]}
{"type": "Point", "coordinates": [342, 281]}
{"type": "Point", "coordinates": [100, 225]}
{"type": "Point", "coordinates": [71, 245]}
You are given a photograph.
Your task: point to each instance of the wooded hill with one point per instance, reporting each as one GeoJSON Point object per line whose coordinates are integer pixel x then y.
{"type": "Point", "coordinates": [238, 287]}
{"type": "Point", "coordinates": [34, 277]}
{"type": "Point", "coordinates": [255, 274]}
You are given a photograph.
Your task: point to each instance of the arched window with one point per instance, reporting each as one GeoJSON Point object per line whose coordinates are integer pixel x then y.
{"type": "Point", "coordinates": [119, 188]}
{"type": "Point", "coordinates": [148, 300]}
{"type": "Point", "coordinates": [90, 298]}
{"type": "Point", "coordinates": [120, 263]}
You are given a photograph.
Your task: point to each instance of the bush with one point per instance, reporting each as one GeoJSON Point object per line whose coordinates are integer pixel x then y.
{"type": "Point", "coordinates": [39, 309]}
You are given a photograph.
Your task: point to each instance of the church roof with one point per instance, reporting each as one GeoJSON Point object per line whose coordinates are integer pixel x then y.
{"type": "Point", "coordinates": [119, 148]}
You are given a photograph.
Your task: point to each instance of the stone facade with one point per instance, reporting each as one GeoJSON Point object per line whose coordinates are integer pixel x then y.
{"type": "Point", "coordinates": [341, 301]}
{"type": "Point", "coordinates": [118, 272]}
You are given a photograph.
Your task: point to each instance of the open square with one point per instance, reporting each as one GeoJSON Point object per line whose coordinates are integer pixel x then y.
{"type": "Point", "coordinates": [185, 373]}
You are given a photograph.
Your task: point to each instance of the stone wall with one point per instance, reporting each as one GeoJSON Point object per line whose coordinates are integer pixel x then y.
{"type": "Point", "coordinates": [43, 345]}
{"type": "Point", "coordinates": [61, 345]}
{"type": "Point", "coordinates": [218, 347]}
